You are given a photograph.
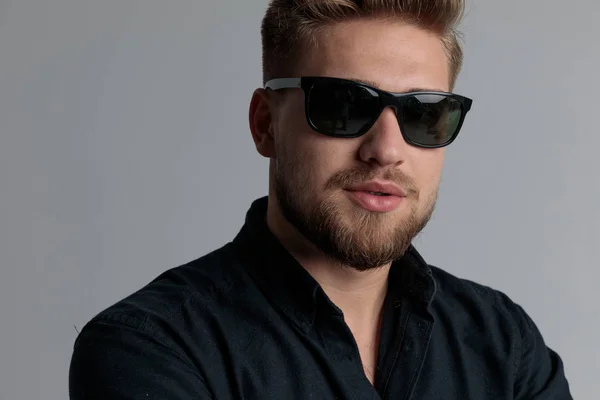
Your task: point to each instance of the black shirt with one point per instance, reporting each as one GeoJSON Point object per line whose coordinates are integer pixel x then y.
{"type": "Point", "coordinates": [248, 322]}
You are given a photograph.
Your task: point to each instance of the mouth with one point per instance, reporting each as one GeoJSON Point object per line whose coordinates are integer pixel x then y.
{"type": "Point", "coordinates": [379, 194]}
{"type": "Point", "coordinates": [378, 202]}
{"type": "Point", "coordinates": [379, 188]}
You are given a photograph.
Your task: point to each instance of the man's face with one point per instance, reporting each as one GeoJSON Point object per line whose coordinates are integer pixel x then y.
{"type": "Point", "coordinates": [312, 173]}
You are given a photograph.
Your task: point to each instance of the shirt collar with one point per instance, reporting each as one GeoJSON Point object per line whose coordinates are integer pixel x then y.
{"type": "Point", "coordinates": [295, 291]}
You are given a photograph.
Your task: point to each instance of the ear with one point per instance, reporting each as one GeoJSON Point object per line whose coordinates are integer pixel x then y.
{"type": "Point", "coordinates": [261, 123]}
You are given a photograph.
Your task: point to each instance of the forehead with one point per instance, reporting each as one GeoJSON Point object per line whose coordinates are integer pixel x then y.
{"type": "Point", "coordinates": [393, 55]}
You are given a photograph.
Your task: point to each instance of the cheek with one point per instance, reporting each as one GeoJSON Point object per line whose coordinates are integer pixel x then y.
{"type": "Point", "coordinates": [315, 160]}
{"type": "Point", "coordinates": [329, 156]}
{"type": "Point", "coordinates": [295, 156]}
{"type": "Point", "coordinates": [312, 156]}
{"type": "Point", "coordinates": [315, 163]}
{"type": "Point", "coordinates": [429, 168]}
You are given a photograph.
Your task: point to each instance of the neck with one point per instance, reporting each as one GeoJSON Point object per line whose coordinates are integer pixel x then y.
{"type": "Point", "coordinates": [359, 294]}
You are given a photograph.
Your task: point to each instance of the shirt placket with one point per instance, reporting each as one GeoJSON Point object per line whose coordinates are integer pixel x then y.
{"type": "Point", "coordinates": [414, 330]}
{"type": "Point", "coordinates": [339, 343]}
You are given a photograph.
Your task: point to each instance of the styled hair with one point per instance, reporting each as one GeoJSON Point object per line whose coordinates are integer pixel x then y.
{"type": "Point", "coordinates": [290, 27]}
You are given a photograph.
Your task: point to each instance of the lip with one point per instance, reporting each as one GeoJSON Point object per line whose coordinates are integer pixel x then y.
{"type": "Point", "coordinates": [381, 187]}
{"type": "Point", "coordinates": [363, 197]}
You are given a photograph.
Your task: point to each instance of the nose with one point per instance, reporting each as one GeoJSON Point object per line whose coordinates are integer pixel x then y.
{"type": "Point", "coordinates": [384, 144]}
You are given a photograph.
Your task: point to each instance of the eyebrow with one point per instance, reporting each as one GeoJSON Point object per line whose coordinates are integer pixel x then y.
{"type": "Point", "coordinates": [411, 90]}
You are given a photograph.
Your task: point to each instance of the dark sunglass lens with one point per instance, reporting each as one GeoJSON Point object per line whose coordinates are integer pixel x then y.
{"type": "Point", "coordinates": [430, 119]}
{"type": "Point", "coordinates": [342, 108]}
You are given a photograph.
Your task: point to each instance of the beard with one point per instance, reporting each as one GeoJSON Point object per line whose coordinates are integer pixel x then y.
{"type": "Point", "coordinates": [351, 237]}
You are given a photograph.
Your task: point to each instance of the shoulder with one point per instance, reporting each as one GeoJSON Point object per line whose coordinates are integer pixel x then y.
{"type": "Point", "coordinates": [162, 308]}
{"type": "Point", "coordinates": [493, 324]}
{"type": "Point", "coordinates": [451, 287]}
{"type": "Point", "coordinates": [141, 344]}
{"type": "Point", "coordinates": [472, 303]}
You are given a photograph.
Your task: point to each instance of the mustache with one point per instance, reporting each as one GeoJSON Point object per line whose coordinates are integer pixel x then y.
{"type": "Point", "coordinates": [357, 176]}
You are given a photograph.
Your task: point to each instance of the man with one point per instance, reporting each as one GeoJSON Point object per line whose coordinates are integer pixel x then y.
{"type": "Point", "coordinates": [321, 295]}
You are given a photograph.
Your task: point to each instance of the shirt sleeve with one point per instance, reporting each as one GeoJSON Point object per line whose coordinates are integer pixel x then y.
{"type": "Point", "coordinates": [540, 372]}
{"type": "Point", "coordinates": [119, 360]}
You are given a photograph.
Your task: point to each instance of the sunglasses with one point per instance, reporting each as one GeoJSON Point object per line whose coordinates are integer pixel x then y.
{"type": "Point", "coordinates": [347, 109]}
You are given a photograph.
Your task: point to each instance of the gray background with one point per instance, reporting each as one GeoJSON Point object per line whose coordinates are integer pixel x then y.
{"type": "Point", "coordinates": [125, 151]}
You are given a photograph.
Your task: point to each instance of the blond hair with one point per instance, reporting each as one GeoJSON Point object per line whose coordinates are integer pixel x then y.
{"type": "Point", "coordinates": [290, 26]}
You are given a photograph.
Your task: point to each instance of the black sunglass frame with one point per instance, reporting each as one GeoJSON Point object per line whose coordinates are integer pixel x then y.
{"type": "Point", "coordinates": [388, 99]}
